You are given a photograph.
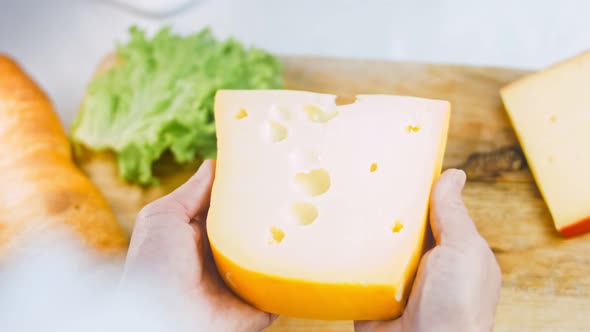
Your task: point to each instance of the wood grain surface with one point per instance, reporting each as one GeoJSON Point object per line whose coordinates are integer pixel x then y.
{"type": "Point", "coordinates": [546, 278]}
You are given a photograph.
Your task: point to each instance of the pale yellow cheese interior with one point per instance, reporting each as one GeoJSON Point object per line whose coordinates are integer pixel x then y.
{"type": "Point", "coordinates": [550, 111]}
{"type": "Point", "coordinates": [334, 197]}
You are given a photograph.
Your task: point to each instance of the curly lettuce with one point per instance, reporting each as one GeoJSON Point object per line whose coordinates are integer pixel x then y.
{"type": "Point", "coordinates": [160, 96]}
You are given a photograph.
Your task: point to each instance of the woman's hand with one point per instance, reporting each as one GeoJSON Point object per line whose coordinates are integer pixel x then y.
{"type": "Point", "coordinates": [170, 265]}
{"type": "Point", "coordinates": [458, 282]}
{"type": "Point", "coordinates": [456, 289]}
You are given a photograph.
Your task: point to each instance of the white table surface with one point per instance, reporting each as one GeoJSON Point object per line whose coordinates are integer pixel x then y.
{"type": "Point", "coordinates": [60, 41]}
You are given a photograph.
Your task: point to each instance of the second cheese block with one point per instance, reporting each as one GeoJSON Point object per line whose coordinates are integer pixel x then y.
{"type": "Point", "coordinates": [550, 111]}
{"type": "Point", "coordinates": [319, 210]}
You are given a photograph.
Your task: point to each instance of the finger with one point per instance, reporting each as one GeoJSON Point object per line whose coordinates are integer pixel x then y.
{"type": "Point", "coordinates": [187, 201]}
{"type": "Point", "coordinates": [250, 318]}
{"type": "Point", "coordinates": [450, 221]}
{"type": "Point", "coordinates": [265, 320]}
{"type": "Point", "coordinates": [157, 221]}
{"type": "Point", "coordinates": [194, 195]}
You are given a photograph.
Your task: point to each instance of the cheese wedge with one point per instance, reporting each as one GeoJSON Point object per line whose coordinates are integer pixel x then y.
{"type": "Point", "coordinates": [550, 111]}
{"type": "Point", "coordinates": [319, 210]}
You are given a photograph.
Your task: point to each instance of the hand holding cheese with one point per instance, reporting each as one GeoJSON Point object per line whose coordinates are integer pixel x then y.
{"type": "Point", "coordinates": [457, 285]}
{"type": "Point", "coordinates": [170, 254]}
{"type": "Point", "coordinates": [458, 282]}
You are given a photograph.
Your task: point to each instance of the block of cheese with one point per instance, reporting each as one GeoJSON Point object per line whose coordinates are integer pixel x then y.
{"type": "Point", "coordinates": [550, 112]}
{"type": "Point", "coordinates": [319, 210]}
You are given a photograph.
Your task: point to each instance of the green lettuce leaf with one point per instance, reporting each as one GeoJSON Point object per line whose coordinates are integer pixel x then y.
{"type": "Point", "coordinates": [160, 98]}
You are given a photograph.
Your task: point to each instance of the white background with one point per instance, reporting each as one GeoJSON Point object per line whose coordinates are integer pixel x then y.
{"type": "Point", "coordinates": [60, 41]}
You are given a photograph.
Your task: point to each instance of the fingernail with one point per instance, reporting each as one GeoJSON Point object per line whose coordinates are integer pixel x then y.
{"type": "Point", "coordinates": [459, 178]}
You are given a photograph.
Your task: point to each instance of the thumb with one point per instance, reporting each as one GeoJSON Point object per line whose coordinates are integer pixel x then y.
{"type": "Point", "coordinates": [163, 242]}
{"type": "Point", "coordinates": [450, 221]}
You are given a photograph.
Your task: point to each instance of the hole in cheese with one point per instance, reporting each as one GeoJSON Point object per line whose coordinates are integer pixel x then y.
{"type": "Point", "coordinates": [277, 235]}
{"type": "Point", "coordinates": [279, 113]}
{"type": "Point", "coordinates": [397, 227]}
{"type": "Point", "coordinates": [345, 100]}
{"type": "Point", "coordinates": [241, 114]}
{"type": "Point", "coordinates": [317, 115]}
{"type": "Point", "coordinates": [305, 213]}
{"type": "Point", "coordinates": [313, 183]}
{"type": "Point", "coordinates": [303, 159]}
{"type": "Point", "coordinates": [373, 167]}
{"type": "Point", "coordinates": [274, 132]}
{"type": "Point", "coordinates": [412, 129]}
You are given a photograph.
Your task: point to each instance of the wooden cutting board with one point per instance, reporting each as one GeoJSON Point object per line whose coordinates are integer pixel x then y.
{"type": "Point", "coordinates": [546, 278]}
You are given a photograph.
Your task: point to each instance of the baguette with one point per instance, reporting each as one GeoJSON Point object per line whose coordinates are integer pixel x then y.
{"type": "Point", "coordinates": [41, 187]}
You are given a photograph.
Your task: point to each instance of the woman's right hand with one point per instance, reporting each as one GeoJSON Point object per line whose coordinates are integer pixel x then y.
{"type": "Point", "coordinates": [458, 282]}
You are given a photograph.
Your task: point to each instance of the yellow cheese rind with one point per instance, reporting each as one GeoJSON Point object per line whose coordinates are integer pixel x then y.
{"type": "Point", "coordinates": [550, 112]}
{"type": "Point", "coordinates": [311, 300]}
{"type": "Point", "coordinates": [343, 258]}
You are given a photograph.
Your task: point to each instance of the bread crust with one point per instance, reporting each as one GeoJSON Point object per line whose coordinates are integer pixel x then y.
{"type": "Point", "coordinates": [40, 186]}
